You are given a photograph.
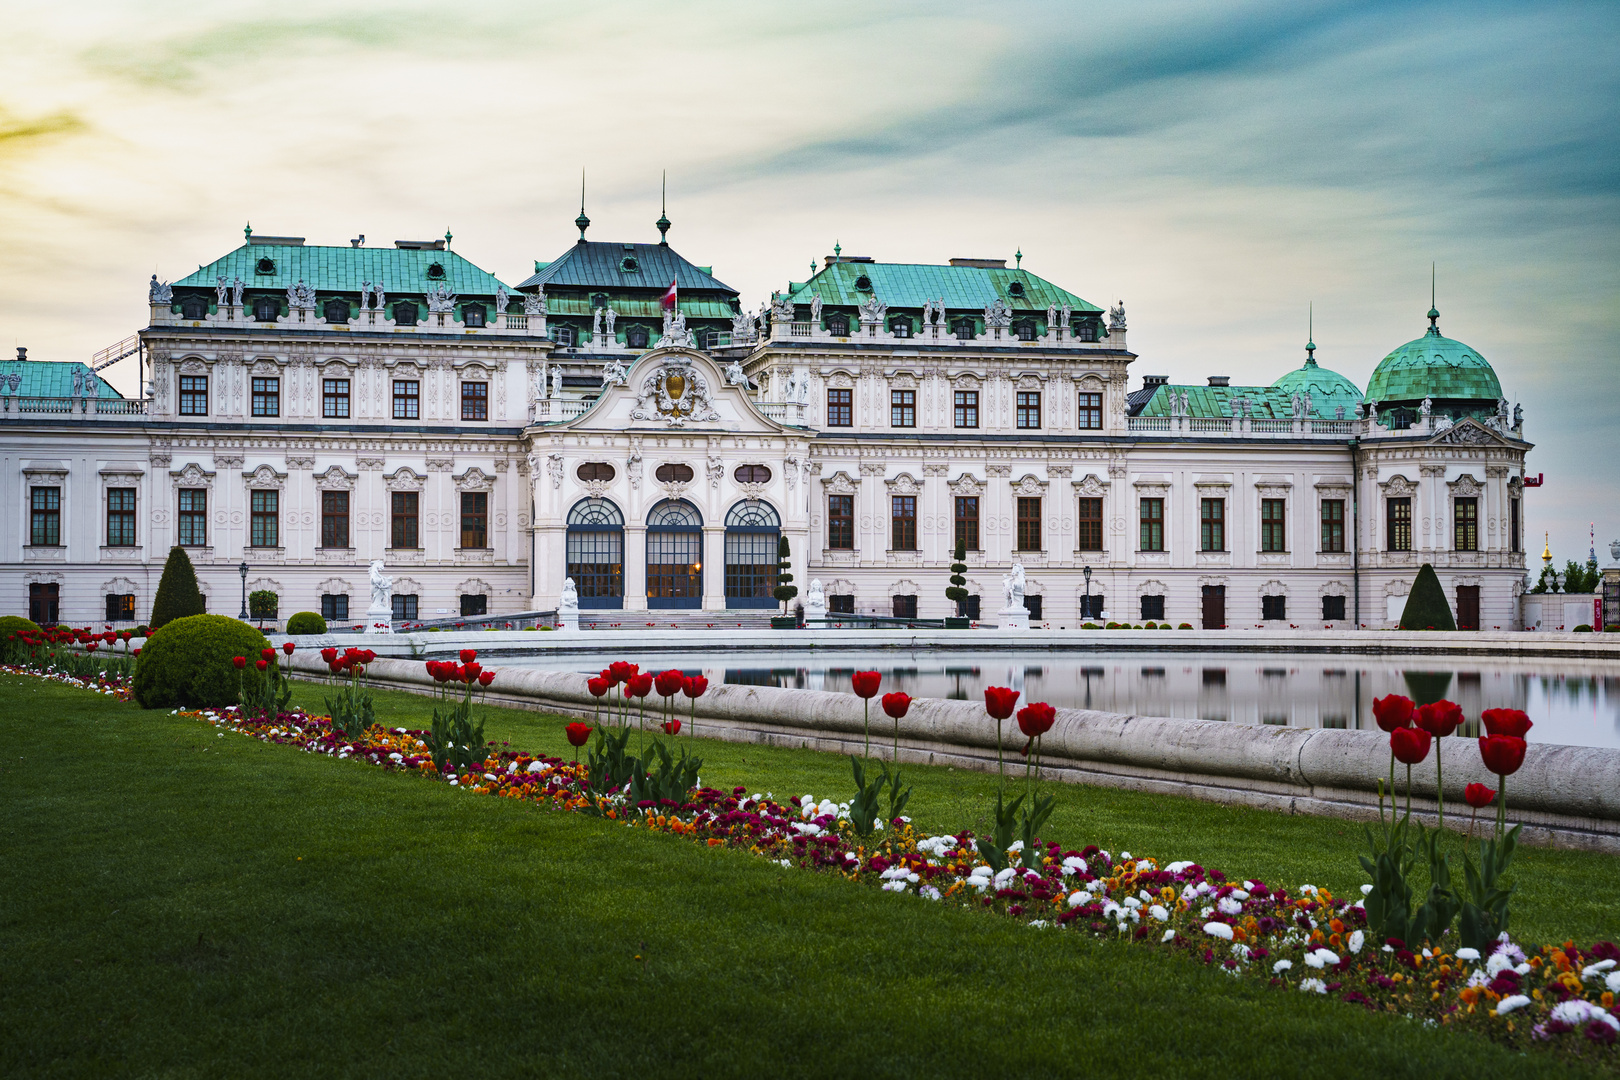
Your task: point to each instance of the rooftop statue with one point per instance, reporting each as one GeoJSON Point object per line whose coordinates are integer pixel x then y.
{"type": "Point", "coordinates": [222, 290]}
{"type": "Point", "coordinates": [365, 295]}
{"type": "Point", "coordinates": [535, 303]}
{"type": "Point", "coordinates": [378, 295]}
{"type": "Point", "coordinates": [236, 292]}
{"type": "Point", "coordinates": [873, 310]}
{"type": "Point", "coordinates": [300, 295]}
{"type": "Point", "coordinates": [440, 299]}
{"type": "Point", "coordinates": [1052, 318]}
{"type": "Point", "coordinates": [735, 376]}
{"type": "Point", "coordinates": [613, 374]}
{"type": "Point", "coordinates": [781, 307]}
{"type": "Point", "coordinates": [1518, 420]}
{"type": "Point", "coordinates": [596, 325]}
{"type": "Point", "coordinates": [609, 317]}
{"type": "Point", "coordinates": [501, 299]}
{"type": "Point", "coordinates": [997, 313]}
{"type": "Point", "coordinates": [815, 307]}
{"type": "Point", "coordinates": [159, 292]}
{"type": "Point", "coordinates": [742, 326]}
{"type": "Point", "coordinates": [1116, 316]}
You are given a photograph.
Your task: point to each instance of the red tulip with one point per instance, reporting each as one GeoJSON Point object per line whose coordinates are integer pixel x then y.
{"type": "Point", "coordinates": [866, 683]}
{"type": "Point", "coordinates": [368, 654]}
{"type": "Point", "coordinates": [578, 734]}
{"type": "Point", "coordinates": [1478, 796]}
{"type": "Point", "coordinates": [240, 662]}
{"type": "Point", "coordinates": [597, 686]}
{"type": "Point", "coordinates": [669, 682]}
{"type": "Point", "coordinates": [336, 666]}
{"type": "Point", "coordinates": [330, 655]}
{"type": "Point", "coordinates": [1410, 745]}
{"type": "Point", "coordinates": [896, 704]}
{"type": "Point", "coordinates": [287, 647]}
{"type": "Point", "coordinates": [468, 655]}
{"type": "Point", "coordinates": [267, 654]}
{"type": "Point", "coordinates": [609, 679]}
{"type": "Point", "coordinates": [109, 637]}
{"type": "Point", "coordinates": [137, 652]}
{"type": "Point", "coordinates": [1439, 718]}
{"type": "Point", "coordinates": [622, 670]}
{"type": "Point", "coordinates": [672, 726]}
{"type": "Point", "coordinates": [639, 685]}
{"type": "Point", "coordinates": [1506, 722]}
{"type": "Point", "coordinates": [695, 686]}
{"type": "Point", "coordinates": [262, 665]}
{"type": "Point", "coordinates": [470, 673]}
{"type": "Point", "coordinates": [1392, 712]}
{"type": "Point", "coordinates": [1503, 754]}
{"type": "Point", "coordinates": [486, 677]}
{"type": "Point", "coordinates": [1036, 719]}
{"type": "Point", "coordinates": [999, 701]}
{"type": "Point", "coordinates": [91, 645]}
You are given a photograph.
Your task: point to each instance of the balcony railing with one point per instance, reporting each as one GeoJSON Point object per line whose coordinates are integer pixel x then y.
{"type": "Point", "coordinates": [366, 319]}
{"type": "Point", "coordinates": [19, 406]}
{"type": "Point", "coordinates": [556, 410]}
{"type": "Point", "coordinates": [935, 334]}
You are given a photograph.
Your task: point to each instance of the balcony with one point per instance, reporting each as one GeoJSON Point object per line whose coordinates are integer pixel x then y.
{"type": "Point", "coordinates": [557, 410]}
{"type": "Point", "coordinates": [1236, 427]}
{"type": "Point", "coordinates": [21, 407]}
{"type": "Point", "coordinates": [872, 333]}
{"type": "Point", "coordinates": [369, 319]}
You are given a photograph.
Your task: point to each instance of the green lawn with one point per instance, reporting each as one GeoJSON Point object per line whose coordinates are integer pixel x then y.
{"type": "Point", "coordinates": [181, 904]}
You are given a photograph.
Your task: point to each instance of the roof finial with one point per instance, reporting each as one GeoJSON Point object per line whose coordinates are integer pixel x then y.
{"type": "Point", "coordinates": [582, 222]}
{"type": "Point", "coordinates": [1018, 258]}
{"type": "Point", "coordinates": [1434, 315]}
{"type": "Point", "coordinates": [663, 213]}
{"type": "Point", "coordinates": [838, 249]}
{"type": "Point", "coordinates": [247, 233]}
{"type": "Point", "coordinates": [812, 268]}
{"type": "Point", "coordinates": [448, 237]}
{"type": "Point", "coordinates": [1310, 338]}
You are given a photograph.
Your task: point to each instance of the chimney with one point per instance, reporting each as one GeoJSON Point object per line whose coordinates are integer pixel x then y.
{"type": "Point", "coordinates": [1220, 380]}
{"type": "Point", "coordinates": [359, 241]}
{"type": "Point", "coordinates": [981, 264]}
{"type": "Point", "coordinates": [1154, 380]}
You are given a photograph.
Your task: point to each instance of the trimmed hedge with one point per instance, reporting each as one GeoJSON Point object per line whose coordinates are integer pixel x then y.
{"type": "Point", "coordinates": [1426, 605]}
{"type": "Point", "coordinates": [15, 624]}
{"type": "Point", "coordinates": [188, 663]}
{"type": "Point", "coordinates": [306, 622]}
{"type": "Point", "coordinates": [177, 592]}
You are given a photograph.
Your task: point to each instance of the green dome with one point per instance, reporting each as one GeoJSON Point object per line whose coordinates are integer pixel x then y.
{"type": "Point", "coordinates": [1327, 388]}
{"type": "Point", "coordinates": [1435, 367]}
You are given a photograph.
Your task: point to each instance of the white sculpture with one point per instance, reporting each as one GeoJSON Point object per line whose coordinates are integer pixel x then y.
{"type": "Point", "coordinates": [1013, 614]}
{"type": "Point", "coordinates": [222, 290]}
{"type": "Point", "coordinates": [1052, 318]}
{"type": "Point", "coordinates": [159, 292]}
{"type": "Point", "coordinates": [1518, 420]}
{"type": "Point", "coordinates": [535, 303]}
{"type": "Point", "coordinates": [501, 298]}
{"type": "Point", "coordinates": [1426, 408]}
{"type": "Point", "coordinates": [1116, 316]}
{"type": "Point", "coordinates": [1614, 550]}
{"type": "Point", "coordinates": [365, 296]}
{"type": "Point", "coordinates": [1066, 311]}
{"type": "Point", "coordinates": [440, 299]}
{"type": "Point", "coordinates": [609, 317]}
{"type": "Point", "coordinates": [568, 607]}
{"type": "Point", "coordinates": [381, 613]}
{"type": "Point", "coordinates": [742, 327]}
{"type": "Point", "coordinates": [613, 374]}
{"type": "Point", "coordinates": [556, 382]}
{"type": "Point", "coordinates": [997, 313]}
{"type": "Point", "coordinates": [378, 296]}
{"type": "Point", "coordinates": [815, 601]}
{"type": "Point", "coordinates": [596, 325]}
{"type": "Point", "coordinates": [1444, 423]}
{"type": "Point", "coordinates": [815, 308]}
{"type": "Point", "coordinates": [803, 396]}
{"type": "Point", "coordinates": [873, 310]}
{"type": "Point", "coordinates": [236, 292]}
{"type": "Point", "coordinates": [735, 376]}
{"type": "Point", "coordinates": [300, 295]}
{"type": "Point", "coordinates": [781, 307]}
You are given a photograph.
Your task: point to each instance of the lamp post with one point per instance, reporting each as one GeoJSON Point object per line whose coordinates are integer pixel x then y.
{"type": "Point", "coordinates": [1086, 614]}
{"type": "Point", "coordinates": [243, 569]}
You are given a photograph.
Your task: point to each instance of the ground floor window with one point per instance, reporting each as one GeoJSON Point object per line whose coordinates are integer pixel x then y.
{"type": "Point", "coordinates": [841, 603]}
{"type": "Point", "coordinates": [1332, 609]}
{"type": "Point", "coordinates": [43, 603]}
{"type": "Point", "coordinates": [905, 607]}
{"type": "Point", "coordinates": [1153, 607]}
{"type": "Point", "coordinates": [1032, 604]}
{"type": "Point", "coordinates": [969, 609]}
{"type": "Point", "coordinates": [120, 607]}
{"type": "Point", "coordinates": [1273, 607]}
{"type": "Point", "coordinates": [474, 605]}
{"type": "Point", "coordinates": [405, 608]}
{"type": "Point", "coordinates": [334, 606]}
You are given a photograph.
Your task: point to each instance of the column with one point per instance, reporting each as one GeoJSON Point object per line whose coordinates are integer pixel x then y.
{"type": "Point", "coordinates": [714, 567]}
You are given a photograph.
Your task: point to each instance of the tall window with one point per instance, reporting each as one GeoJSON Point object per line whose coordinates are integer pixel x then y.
{"type": "Point", "coordinates": [840, 411]}
{"type": "Point", "coordinates": [193, 517]}
{"type": "Point", "coordinates": [193, 395]}
{"type": "Point", "coordinates": [904, 607]}
{"type": "Point", "coordinates": [334, 606]}
{"type": "Point", "coordinates": [1212, 524]}
{"type": "Point", "coordinates": [475, 519]}
{"type": "Point", "coordinates": [1029, 408]}
{"type": "Point", "coordinates": [1090, 412]}
{"type": "Point", "coordinates": [1513, 526]}
{"type": "Point", "coordinates": [120, 517]}
{"type": "Point", "coordinates": [841, 522]}
{"type": "Point", "coordinates": [1399, 520]}
{"type": "Point", "coordinates": [1466, 516]}
{"type": "Point", "coordinates": [902, 408]}
{"type": "Point", "coordinates": [264, 525]}
{"type": "Point", "coordinates": [1332, 524]}
{"type": "Point", "coordinates": [266, 397]}
{"type": "Point", "coordinates": [1029, 524]}
{"type": "Point", "coordinates": [1089, 535]}
{"type": "Point", "coordinates": [1152, 514]}
{"type": "Point", "coordinates": [405, 608]}
{"type": "Point", "coordinates": [1273, 608]}
{"type": "Point", "coordinates": [46, 530]}
{"type": "Point", "coordinates": [334, 519]}
{"type": "Point", "coordinates": [1333, 609]}
{"type": "Point", "coordinates": [403, 518]}
{"type": "Point", "coordinates": [475, 401]}
{"type": "Point", "coordinates": [335, 399]}
{"type": "Point", "coordinates": [904, 522]}
{"type": "Point", "coordinates": [405, 313]}
{"type": "Point", "coordinates": [967, 408]}
{"type": "Point", "coordinates": [967, 522]}
{"type": "Point", "coordinates": [407, 399]}
{"type": "Point", "coordinates": [120, 607]}
{"type": "Point", "coordinates": [1273, 530]}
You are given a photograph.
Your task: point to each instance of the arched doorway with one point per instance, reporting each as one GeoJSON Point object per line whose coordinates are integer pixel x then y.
{"type": "Point", "coordinates": [674, 556]}
{"type": "Point", "coordinates": [595, 557]}
{"type": "Point", "coordinates": [752, 529]}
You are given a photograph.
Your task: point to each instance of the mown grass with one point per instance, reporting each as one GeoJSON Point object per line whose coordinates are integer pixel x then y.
{"type": "Point", "coordinates": [181, 904]}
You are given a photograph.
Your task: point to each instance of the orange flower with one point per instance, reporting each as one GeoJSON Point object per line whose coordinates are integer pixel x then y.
{"type": "Point", "coordinates": [715, 841]}
{"type": "Point", "coordinates": [1338, 927]}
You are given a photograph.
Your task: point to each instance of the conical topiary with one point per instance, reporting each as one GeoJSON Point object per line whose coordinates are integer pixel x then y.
{"type": "Point", "coordinates": [784, 590]}
{"type": "Point", "coordinates": [177, 593]}
{"type": "Point", "coordinates": [957, 593]}
{"type": "Point", "coordinates": [1426, 606]}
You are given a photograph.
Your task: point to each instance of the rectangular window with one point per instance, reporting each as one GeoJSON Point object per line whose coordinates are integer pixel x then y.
{"type": "Point", "coordinates": [1399, 521]}
{"type": "Point", "coordinates": [970, 609]}
{"type": "Point", "coordinates": [120, 607]}
{"type": "Point", "coordinates": [1029, 524]}
{"type": "Point", "coordinates": [475, 519]}
{"type": "Point", "coordinates": [475, 401]}
{"type": "Point", "coordinates": [474, 605]}
{"type": "Point", "coordinates": [1333, 525]}
{"type": "Point", "coordinates": [967, 522]}
{"type": "Point", "coordinates": [334, 606]}
{"type": "Point", "coordinates": [1333, 609]}
{"type": "Point", "coordinates": [1090, 412]}
{"type": "Point", "coordinates": [841, 522]}
{"type": "Point", "coordinates": [405, 608]}
{"type": "Point", "coordinates": [403, 514]}
{"type": "Point", "coordinates": [905, 607]}
{"type": "Point", "coordinates": [1032, 604]}
{"type": "Point", "coordinates": [266, 397]}
{"type": "Point", "coordinates": [1466, 516]}
{"type": "Point", "coordinates": [1513, 526]}
{"type": "Point", "coordinates": [335, 399]}
{"type": "Point", "coordinates": [1273, 525]}
{"type": "Point", "coordinates": [1212, 525]}
{"type": "Point", "coordinates": [903, 535]}
{"type": "Point", "coordinates": [193, 517]}
{"type": "Point", "coordinates": [1153, 607]}
{"type": "Point", "coordinates": [264, 527]}
{"type": "Point", "coordinates": [334, 519]}
{"type": "Point", "coordinates": [1273, 608]}
{"type": "Point", "coordinates": [1029, 408]}
{"type": "Point", "coordinates": [46, 528]}
{"type": "Point", "coordinates": [840, 408]}
{"type": "Point", "coordinates": [967, 408]}
{"type": "Point", "coordinates": [1152, 513]}
{"type": "Point", "coordinates": [193, 395]}
{"type": "Point", "coordinates": [1089, 531]}
{"type": "Point", "coordinates": [120, 517]}
{"type": "Point", "coordinates": [407, 399]}
{"type": "Point", "coordinates": [902, 408]}
{"type": "Point", "coordinates": [840, 603]}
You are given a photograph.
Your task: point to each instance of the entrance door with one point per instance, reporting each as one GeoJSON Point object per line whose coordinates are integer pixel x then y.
{"type": "Point", "coordinates": [1468, 607]}
{"type": "Point", "coordinates": [42, 604]}
{"type": "Point", "coordinates": [674, 556]}
{"type": "Point", "coordinates": [1214, 607]}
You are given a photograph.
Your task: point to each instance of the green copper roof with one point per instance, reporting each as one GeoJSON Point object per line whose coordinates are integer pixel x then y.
{"type": "Point", "coordinates": [46, 378]}
{"type": "Point", "coordinates": [909, 285]}
{"type": "Point", "coordinates": [1265, 402]}
{"type": "Point", "coordinates": [402, 272]}
{"type": "Point", "coordinates": [1327, 388]}
{"type": "Point", "coordinates": [592, 264]}
{"type": "Point", "coordinates": [1436, 367]}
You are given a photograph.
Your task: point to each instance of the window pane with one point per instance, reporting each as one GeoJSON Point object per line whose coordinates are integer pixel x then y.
{"type": "Point", "coordinates": [1029, 408]}
{"type": "Point", "coordinates": [1029, 524]}
{"type": "Point", "coordinates": [1152, 512]}
{"type": "Point", "coordinates": [967, 408]}
{"type": "Point", "coordinates": [266, 397]}
{"type": "Point", "coordinates": [1089, 535]}
{"type": "Point", "coordinates": [967, 522]}
{"type": "Point", "coordinates": [407, 399]}
{"type": "Point", "coordinates": [335, 399]}
{"type": "Point", "coordinates": [1467, 525]}
{"type": "Point", "coordinates": [841, 522]}
{"type": "Point", "coordinates": [1332, 525]}
{"type": "Point", "coordinates": [1273, 535]}
{"type": "Point", "coordinates": [335, 519]}
{"type": "Point", "coordinates": [120, 517]}
{"type": "Point", "coordinates": [840, 411]}
{"type": "Point", "coordinates": [1212, 524]}
{"type": "Point", "coordinates": [903, 408]}
{"type": "Point", "coordinates": [904, 532]}
{"type": "Point", "coordinates": [1399, 520]}
{"type": "Point", "coordinates": [265, 525]}
{"type": "Point", "coordinates": [193, 395]}
{"type": "Point", "coordinates": [47, 516]}
{"type": "Point", "coordinates": [1090, 411]}
{"type": "Point", "coordinates": [475, 401]}
{"type": "Point", "coordinates": [474, 519]}
{"type": "Point", "coordinates": [404, 518]}
{"type": "Point", "coordinates": [193, 517]}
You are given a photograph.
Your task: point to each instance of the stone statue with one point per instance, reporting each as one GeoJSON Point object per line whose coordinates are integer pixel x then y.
{"type": "Point", "coordinates": [222, 290]}
{"type": "Point", "coordinates": [1186, 403]}
{"type": "Point", "coordinates": [159, 292]}
{"type": "Point", "coordinates": [1518, 419]}
{"type": "Point", "coordinates": [534, 303]}
{"type": "Point", "coordinates": [815, 601]}
{"type": "Point", "coordinates": [440, 299]}
{"type": "Point", "coordinates": [1012, 586]}
{"type": "Point", "coordinates": [300, 295]}
{"type": "Point", "coordinates": [997, 313]}
{"type": "Point", "coordinates": [803, 397]}
{"type": "Point", "coordinates": [378, 297]}
{"type": "Point", "coordinates": [78, 381]}
{"type": "Point", "coordinates": [815, 308]}
{"type": "Point", "coordinates": [1052, 323]}
{"type": "Point", "coordinates": [382, 600]}
{"type": "Point", "coordinates": [1372, 412]}
{"type": "Point", "coordinates": [1116, 316]}
{"type": "Point", "coordinates": [781, 307]}
{"type": "Point", "coordinates": [501, 298]}
{"type": "Point", "coordinates": [236, 292]}
{"type": "Point", "coordinates": [596, 325]}
{"type": "Point", "coordinates": [790, 391]}
{"type": "Point", "coordinates": [1614, 550]}
{"type": "Point", "coordinates": [556, 382]}
{"type": "Point", "coordinates": [1065, 311]}
{"type": "Point", "coordinates": [742, 326]}
{"type": "Point", "coordinates": [1426, 408]}
{"type": "Point", "coordinates": [568, 607]}
{"type": "Point", "coordinates": [1502, 411]}
{"type": "Point", "coordinates": [928, 313]}
{"type": "Point", "coordinates": [1443, 423]}
{"type": "Point", "coordinates": [735, 376]}
{"type": "Point", "coordinates": [613, 374]}
{"type": "Point", "coordinates": [609, 317]}
{"type": "Point", "coordinates": [365, 295]}
{"type": "Point", "coordinates": [873, 310]}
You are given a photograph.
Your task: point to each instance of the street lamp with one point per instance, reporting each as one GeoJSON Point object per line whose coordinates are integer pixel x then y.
{"type": "Point", "coordinates": [1086, 614]}
{"type": "Point", "coordinates": [243, 569]}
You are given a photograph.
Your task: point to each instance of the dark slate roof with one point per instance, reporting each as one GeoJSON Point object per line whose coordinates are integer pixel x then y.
{"type": "Point", "coordinates": [909, 285]}
{"type": "Point", "coordinates": [401, 271]}
{"type": "Point", "coordinates": [47, 378]}
{"type": "Point", "coordinates": [592, 264]}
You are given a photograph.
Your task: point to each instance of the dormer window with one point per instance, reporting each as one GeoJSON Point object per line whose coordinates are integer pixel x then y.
{"type": "Point", "coordinates": [436, 271]}
{"type": "Point", "coordinates": [838, 325]}
{"type": "Point", "coordinates": [900, 326]}
{"type": "Point", "coordinates": [562, 335]}
{"type": "Point", "coordinates": [629, 265]}
{"type": "Point", "coordinates": [636, 337]}
{"type": "Point", "coordinates": [265, 266]}
{"type": "Point", "coordinates": [266, 309]}
{"type": "Point", "coordinates": [472, 315]}
{"type": "Point", "coordinates": [1086, 329]}
{"type": "Point", "coordinates": [863, 283]}
{"type": "Point", "coordinates": [1026, 330]}
{"type": "Point", "coordinates": [964, 329]}
{"type": "Point", "coordinates": [405, 313]}
{"type": "Point", "coordinates": [337, 311]}
{"type": "Point", "coordinates": [1016, 289]}
{"type": "Point", "coordinates": [194, 307]}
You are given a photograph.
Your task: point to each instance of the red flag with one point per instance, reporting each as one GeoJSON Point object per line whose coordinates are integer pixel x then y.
{"type": "Point", "coordinates": [670, 297]}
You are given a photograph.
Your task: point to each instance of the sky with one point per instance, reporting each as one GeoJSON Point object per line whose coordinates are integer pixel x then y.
{"type": "Point", "coordinates": [1221, 168]}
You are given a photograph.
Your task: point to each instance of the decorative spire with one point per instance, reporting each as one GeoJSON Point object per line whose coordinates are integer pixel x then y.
{"type": "Point", "coordinates": [448, 237]}
{"type": "Point", "coordinates": [582, 222]}
{"type": "Point", "coordinates": [1310, 336]}
{"type": "Point", "coordinates": [1546, 550]}
{"type": "Point", "coordinates": [838, 249]}
{"type": "Point", "coordinates": [663, 214]}
{"type": "Point", "coordinates": [1018, 258]}
{"type": "Point", "coordinates": [1434, 315]}
{"type": "Point", "coordinates": [247, 233]}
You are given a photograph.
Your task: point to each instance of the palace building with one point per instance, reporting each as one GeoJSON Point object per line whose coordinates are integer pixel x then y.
{"type": "Point", "coordinates": [621, 419]}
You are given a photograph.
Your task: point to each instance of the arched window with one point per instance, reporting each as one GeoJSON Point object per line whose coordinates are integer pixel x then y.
{"type": "Point", "coordinates": [595, 470]}
{"type": "Point", "coordinates": [838, 325]}
{"type": "Point", "coordinates": [337, 311]}
{"type": "Point", "coordinates": [405, 313]}
{"type": "Point", "coordinates": [266, 309]}
{"type": "Point", "coordinates": [674, 556]}
{"type": "Point", "coordinates": [752, 532]}
{"type": "Point", "coordinates": [1026, 329]}
{"type": "Point", "coordinates": [900, 325]}
{"type": "Point", "coordinates": [752, 474]}
{"type": "Point", "coordinates": [673, 473]}
{"type": "Point", "coordinates": [595, 557]}
{"type": "Point", "coordinates": [472, 314]}
{"type": "Point", "coordinates": [636, 337]}
{"type": "Point", "coordinates": [963, 329]}
{"type": "Point", "coordinates": [194, 307]}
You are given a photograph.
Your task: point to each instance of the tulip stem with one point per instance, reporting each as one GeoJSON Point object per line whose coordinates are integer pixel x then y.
{"type": "Point", "coordinates": [867, 726]}
{"type": "Point", "coordinates": [1409, 793]}
{"type": "Point", "coordinates": [896, 757]}
{"type": "Point", "coordinates": [1001, 768]}
{"type": "Point", "coordinates": [1439, 782]}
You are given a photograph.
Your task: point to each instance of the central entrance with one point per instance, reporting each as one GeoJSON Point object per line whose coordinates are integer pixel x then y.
{"type": "Point", "coordinates": [674, 555]}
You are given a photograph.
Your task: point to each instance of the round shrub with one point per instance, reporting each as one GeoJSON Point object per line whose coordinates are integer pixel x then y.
{"type": "Point", "coordinates": [1583, 629]}
{"type": "Point", "coordinates": [1164, 626]}
{"type": "Point", "coordinates": [1091, 626]}
{"type": "Point", "coordinates": [306, 622]}
{"type": "Point", "coordinates": [15, 624]}
{"type": "Point", "coordinates": [188, 665]}
{"type": "Point", "coordinates": [1185, 626]}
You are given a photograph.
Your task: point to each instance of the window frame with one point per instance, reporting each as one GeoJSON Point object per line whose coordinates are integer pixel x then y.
{"type": "Point", "coordinates": [965, 408]}
{"type": "Point", "coordinates": [1029, 524]}
{"type": "Point", "coordinates": [1212, 524]}
{"type": "Point", "coordinates": [840, 408]}
{"type": "Point", "coordinates": [903, 523]}
{"type": "Point", "coordinates": [1089, 411]}
{"type": "Point", "coordinates": [1398, 523]}
{"type": "Point", "coordinates": [903, 408]}
{"type": "Point", "coordinates": [193, 391]}
{"type": "Point", "coordinates": [122, 520]}
{"type": "Point", "coordinates": [335, 396]}
{"type": "Point", "coordinates": [125, 611]}
{"type": "Point", "coordinates": [965, 521]}
{"type": "Point", "coordinates": [1327, 616]}
{"type": "Point", "coordinates": [475, 520]}
{"type": "Point", "coordinates": [1150, 519]}
{"type": "Point", "coordinates": [45, 515]}
{"type": "Point", "coordinates": [404, 520]}
{"type": "Point", "coordinates": [1332, 526]}
{"type": "Point", "coordinates": [1515, 542]}
{"type": "Point", "coordinates": [840, 523]}
{"type": "Point", "coordinates": [331, 602]}
{"type": "Point", "coordinates": [474, 400]}
{"type": "Point", "coordinates": [266, 395]}
{"type": "Point", "coordinates": [1465, 526]}
{"type": "Point", "coordinates": [335, 506]}
{"type": "Point", "coordinates": [1086, 525]}
{"type": "Point", "coordinates": [1152, 606]}
{"type": "Point", "coordinates": [1028, 408]}
{"type": "Point", "coordinates": [410, 399]}
{"type": "Point", "coordinates": [1273, 525]}
{"type": "Point", "coordinates": [1278, 613]}
{"type": "Point", "coordinates": [406, 607]}
{"type": "Point", "coordinates": [264, 518]}
{"type": "Point", "coordinates": [189, 519]}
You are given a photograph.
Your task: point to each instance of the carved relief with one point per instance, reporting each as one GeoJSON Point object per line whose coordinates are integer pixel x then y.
{"type": "Point", "coordinates": [443, 465]}
{"type": "Point", "coordinates": [903, 484]}
{"type": "Point", "coordinates": [1091, 485]}
{"type": "Point", "coordinates": [1465, 486]}
{"type": "Point", "coordinates": [336, 479]}
{"type": "Point", "coordinates": [299, 461]}
{"type": "Point", "coordinates": [192, 475]}
{"type": "Point", "coordinates": [265, 478]}
{"type": "Point", "coordinates": [474, 479]}
{"type": "Point", "coordinates": [1028, 485]}
{"type": "Point", "coordinates": [1397, 487]}
{"type": "Point", "coordinates": [368, 464]}
{"type": "Point", "coordinates": [966, 485]}
{"type": "Point", "coordinates": [404, 478]}
{"type": "Point", "coordinates": [839, 483]}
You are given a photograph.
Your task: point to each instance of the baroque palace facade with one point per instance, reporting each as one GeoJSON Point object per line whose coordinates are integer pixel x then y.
{"type": "Point", "coordinates": [619, 418]}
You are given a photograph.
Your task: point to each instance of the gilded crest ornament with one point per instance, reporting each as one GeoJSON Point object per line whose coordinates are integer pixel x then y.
{"type": "Point", "coordinates": [675, 393]}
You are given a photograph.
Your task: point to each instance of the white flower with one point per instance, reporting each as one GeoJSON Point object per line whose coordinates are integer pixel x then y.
{"type": "Point", "coordinates": [1496, 964]}
{"type": "Point", "coordinates": [1576, 1012]}
{"type": "Point", "coordinates": [1112, 910]}
{"type": "Point", "coordinates": [1177, 867]}
{"type": "Point", "coordinates": [1358, 939]}
{"type": "Point", "coordinates": [1321, 958]}
{"type": "Point", "coordinates": [785, 862]}
{"type": "Point", "coordinates": [1592, 971]}
{"type": "Point", "coordinates": [1308, 889]}
{"type": "Point", "coordinates": [1205, 888]}
{"type": "Point", "coordinates": [1132, 902]}
{"type": "Point", "coordinates": [1158, 912]}
{"type": "Point", "coordinates": [396, 756]}
{"type": "Point", "coordinates": [1239, 894]}
{"type": "Point", "coordinates": [489, 776]}
{"type": "Point", "coordinates": [1144, 867]}
{"type": "Point", "coordinates": [1037, 924]}
{"type": "Point", "coordinates": [399, 731]}
{"type": "Point", "coordinates": [1465, 953]}
{"type": "Point", "coordinates": [1313, 986]}
{"type": "Point", "coordinates": [1478, 978]}
{"type": "Point", "coordinates": [1017, 845]}
{"type": "Point", "coordinates": [894, 886]}
{"type": "Point", "coordinates": [1229, 906]}
{"type": "Point", "coordinates": [928, 892]}
{"type": "Point", "coordinates": [1281, 966]}
{"type": "Point", "coordinates": [1366, 889]}
{"type": "Point", "coordinates": [1218, 929]}
{"type": "Point", "coordinates": [1078, 898]}
{"type": "Point", "coordinates": [1125, 855]}
{"type": "Point", "coordinates": [1510, 1003]}
{"type": "Point", "coordinates": [1073, 863]}
{"type": "Point", "coordinates": [827, 807]}
{"type": "Point", "coordinates": [1169, 935]}
{"type": "Point", "coordinates": [512, 768]}
{"type": "Point", "coordinates": [1006, 875]}
{"type": "Point", "coordinates": [1241, 951]}
{"type": "Point", "coordinates": [1613, 981]}
{"type": "Point", "coordinates": [1032, 875]}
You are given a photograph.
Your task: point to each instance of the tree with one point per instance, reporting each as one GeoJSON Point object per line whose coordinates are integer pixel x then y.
{"type": "Point", "coordinates": [1426, 605]}
{"type": "Point", "coordinates": [1580, 577]}
{"type": "Point", "coordinates": [958, 593]}
{"type": "Point", "coordinates": [784, 590]}
{"type": "Point", "coordinates": [177, 592]}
